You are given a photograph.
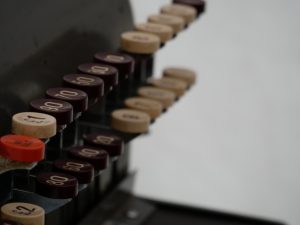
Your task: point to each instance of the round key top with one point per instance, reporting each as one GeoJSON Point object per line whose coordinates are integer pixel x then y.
{"type": "Point", "coordinates": [23, 213]}
{"type": "Point", "coordinates": [176, 22]}
{"type": "Point", "coordinates": [188, 13]}
{"type": "Point", "coordinates": [122, 62]}
{"type": "Point", "coordinates": [22, 148]}
{"type": "Point", "coordinates": [9, 222]}
{"type": "Point", "coordinates": [113, 144]}
{"type": "Point", "coordinates": [56, 185]}
{"type": "Point", "coordinates": [139, 42]}
{"type": "Point", "coordinates": [198, 4]}
{"type": "Point", "coordinates": [107, 73]}
{"type": "Point", "coordinates": [77, 98]}
{"type": "Point", "coordinates": [177, 86]}
{"type": "Point", "coordinates": [165, 97]}
{"type": "Point", "coordinates": [34, 124]}
{"type": "Point", "coordinates": [130, 121]}
{"type": "Point", "coordinates": [61, 110]}
{"type": "Point", "coordinates": [151, 107]}
{"type": "Point", "coordinates": [164, 32]}
{"type": "Point", "coordinates": [97, 157]}
{"type": "Point", "coordinates": [185, 75]}
{"type": "Point", "coordinates": [83, 171]}
{"type": "Point", "coordinates": [93, 86]}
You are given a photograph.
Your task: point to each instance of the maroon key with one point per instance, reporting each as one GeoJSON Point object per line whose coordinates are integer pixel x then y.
{"type": "Point", "coordinates": [122, 62]}
{"type": "Point", "coordinates": [77, 98]}
{"type": "Point", "coordinates": [56, 185]}
{"type": "Point", "coordinates": [93, 86]}
{"type": "Point", "coordinates": [97, 157]}
{"type": "Point", "coordinates": [107, 73]}
{"type": "Point", "coordinates": [83, 171]}
{"type": "Point", "coordinates": [111, 143]}
{"type": "Point", "coordinates": [61, 110]}
{"type": "Point", "coordinates": [198, 4]}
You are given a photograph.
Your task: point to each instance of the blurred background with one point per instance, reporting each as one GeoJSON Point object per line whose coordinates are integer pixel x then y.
{"type": "Point", "coordinates": [232, 142]}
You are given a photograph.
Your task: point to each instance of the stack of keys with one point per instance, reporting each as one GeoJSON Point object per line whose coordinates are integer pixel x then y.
{"type": "Point", "coordinates": [63, 113]}
{"type": "Point", "coordinates": [141, 46]}
{"type": "Point", "coordinates": [79, 100]}
{"type": "Point", "coordinates": [125, 66]}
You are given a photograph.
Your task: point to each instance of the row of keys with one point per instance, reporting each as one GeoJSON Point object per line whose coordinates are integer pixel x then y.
{"type": "Point", "coordinates": [115, 77]}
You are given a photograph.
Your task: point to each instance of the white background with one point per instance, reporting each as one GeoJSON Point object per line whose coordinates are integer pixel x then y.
{"type": "Point", "coordinates": [232, 142]}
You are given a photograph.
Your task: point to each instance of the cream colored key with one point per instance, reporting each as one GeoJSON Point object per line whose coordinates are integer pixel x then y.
{"type": "Point", "coordinates": [130, 121]}
{"type": "Point", "coordinates": [176, 22]}
{"type": "Point", "coordinates": [164, 32]}
{"type": "Point", "coordinates": [34, 124]}
{"type": "Point", "coordinates": [165, 97]}
{"type": "Point", "coordinates": [177, 86]}
{"type": "Point", "coordinates": [139, 42]}
{"type": "Point", "coordinates": [24, 213]}
{"type": "Point", "coordinates": [151, 107]}
{"type": "Point", "coordinates": [188, 13]}
{"type": "Point", "coordinates": [186, 75]}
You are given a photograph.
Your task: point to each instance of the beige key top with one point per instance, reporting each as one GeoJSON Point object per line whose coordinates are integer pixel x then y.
{"type": "Point", "coordinates": [34, 124]}
{"type": "Point", "coordinates": [176, 22]}
{"type": "Point", "coordinates": [186, 75]}
{"type": "Point", "coordinates": [165, 97]}
{"type": "Point", "coordinates": [151, 107]}
{"type": "Point", "coordinates": [24, 213]}
{"type": "Point", "coordinates": [164, 32]}
{"type": "Point", "coordinates": [130, 121]}
{"type": "Point", "coordinates": [188, 13]}
{"type": "Point", "coordinates": [177, 86]}
{"type": "Point", "coordinates": [139, 42]}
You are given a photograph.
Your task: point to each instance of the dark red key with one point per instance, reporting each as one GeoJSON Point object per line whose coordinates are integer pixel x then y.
{"type": "Point", "coordinates": [93, 86]}
{"type": "Point", "coordinates": [97, 157]}
{"type": "Point", "coordinates": [107, 73]}
{"type": "Point", "coordinates": [56, 185]}
{"type": "Point", "coordinates": [111, 143]}
{"type": "Point", "coordinates": [122, 62]}
{"type": "Point", "coordinates": [83, 171]}
{"type": "Point", "coordinates": [77, 98]}
{"type": "Point", "coordinates": [61, 110]}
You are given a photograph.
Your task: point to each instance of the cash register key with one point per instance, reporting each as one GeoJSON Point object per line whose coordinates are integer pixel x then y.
{"type": "Point", "coordinates": [77, 98]}
{"type": "Point", "coordinates": [183, 74]}
{"type": "Point", "coordinates": [61, 110]}
{"type": "Point", "coordinates": [198, 4]}
{"type": "Point", "coordinates": [176, 22]}
{"type": "Point", "coordinates": [97, 157]}
{"type": "Point", "coordinates": [113, 144]}
{"type": "Point", "coordinates": [165, 97]}
{"type": "Point", "coordinates": [34, 124]}
{"type": "Point", "coordinates": [164, 32]}
{"type": "Point", "coordinates": [21, 148]}
{"type": "Point", "coordinates": [122, 62]}
{"type": "Point", "coordinates": [139, 42]}
{"type": "Point", "coordinates": [130, 121]}
{"type": "Point", "coordinates": [188, 13]}
{"type": "Point", "coordinates": [23, 213]}
{"type": "Point", "coordinates": [151, 107]}
{"type": "Point", "coordinates": [93, 86]}
{"type": "Point", "coordinates": [107, 73]}
{"type": "Point", "coordinates": [56, 185]}
{"type": "Point", "coordinates": [83, 171]}
{"type": "Point", "coordinates": [9, 222]}
{"type": "Point", "coordinates": [177, 86]}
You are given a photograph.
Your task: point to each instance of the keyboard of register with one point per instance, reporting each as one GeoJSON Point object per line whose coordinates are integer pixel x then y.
{"type": "Point", "coordinates": [54, 57]}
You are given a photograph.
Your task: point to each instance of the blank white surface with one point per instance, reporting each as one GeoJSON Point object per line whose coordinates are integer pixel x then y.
{"type": "Point", "coordinates": [232, 142]}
